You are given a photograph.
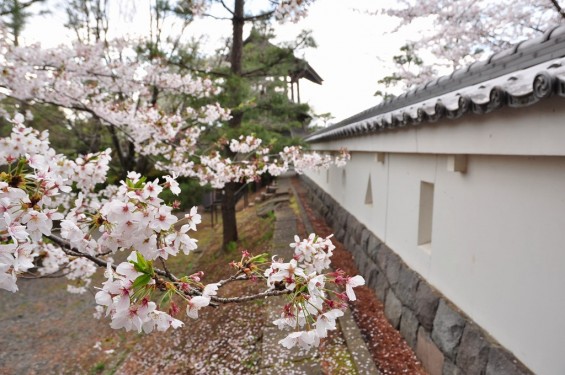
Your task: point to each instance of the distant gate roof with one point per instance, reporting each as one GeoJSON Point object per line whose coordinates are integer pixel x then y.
{"type": "Point", "coordinates": [297, 68]}
{"type": "Point", "coordinates": [518, 76]}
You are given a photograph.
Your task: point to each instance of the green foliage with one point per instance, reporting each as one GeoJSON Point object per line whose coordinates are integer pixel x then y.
{"type": "Point", "coordinates": [144, 266]}
{"type": "Point", "coordinates": [408, 57]}
{"type": "Point", "coordinates": [16, 14]}
{"type": "Point", "coordinates": [405, 61]}
{"type": "Point", "coordinates": [231, 246]}
{"type": "Point", "coordinates": [98, 368]}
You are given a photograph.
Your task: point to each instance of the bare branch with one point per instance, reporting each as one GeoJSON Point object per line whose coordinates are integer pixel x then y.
{"type": "Point", "coordinates": [216, 17]}
{"type": "Point", "coordinates": [259, 16]}
{"type": "Point", "coordinates": [21, 5]}
{"type": "Point", "coordinates": [226, 7]}
{"type": "Point", "coordinates": [235, 277]}
{"type": "Point", "coordinates": [558, 8]}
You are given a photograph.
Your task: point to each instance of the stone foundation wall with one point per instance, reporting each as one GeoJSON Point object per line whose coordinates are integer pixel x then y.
{"type": "Point", "coordinates": [443, 337]}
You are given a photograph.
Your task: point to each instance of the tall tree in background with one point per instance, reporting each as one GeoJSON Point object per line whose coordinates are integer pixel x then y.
{"type": "Point", "coordinates": [235, 87]}
{"type": "Point", "coordinates": [15, 14]}
{"type": "Point", "coordinates": [409, 69]}
{"type": "Point", "coordinates": [456, 33]}
{"type": "Point", "coordinates": [88, 19]}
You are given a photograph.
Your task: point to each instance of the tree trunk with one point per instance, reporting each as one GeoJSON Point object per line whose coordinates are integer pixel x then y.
{"type": "Point", "coordinates": [228, 201]}
{"type": "Point", "coordinates": [228, 214]}
{"type": "Point", "coordinates": [237, 37]}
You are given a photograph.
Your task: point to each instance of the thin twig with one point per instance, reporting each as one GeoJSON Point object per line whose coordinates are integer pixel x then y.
{"type": "Point", "coordinates": [168, 273]}
{"type": "Point", "coordinates": [269, 293]}
{"type": "Point", "coordinates": [234, 277]}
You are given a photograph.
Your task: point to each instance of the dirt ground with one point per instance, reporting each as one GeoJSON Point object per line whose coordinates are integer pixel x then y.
{"type": "Point", "coordinates": [46, 330]}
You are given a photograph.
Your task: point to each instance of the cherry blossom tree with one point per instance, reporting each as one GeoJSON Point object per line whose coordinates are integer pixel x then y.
{"type": "Point", "coordinates": [457, 33]}
{"type": "Point", "coordinates": [59, 214]}
{"type": "Point", "coordinates": [36, 192]}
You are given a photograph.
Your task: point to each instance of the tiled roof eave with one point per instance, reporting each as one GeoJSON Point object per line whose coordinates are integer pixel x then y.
{"type": "Point", "coordinates": [517, 88]}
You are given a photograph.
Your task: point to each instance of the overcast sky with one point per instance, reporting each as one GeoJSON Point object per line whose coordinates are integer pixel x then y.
{"type": "Point", "coordinates": [353, 47]}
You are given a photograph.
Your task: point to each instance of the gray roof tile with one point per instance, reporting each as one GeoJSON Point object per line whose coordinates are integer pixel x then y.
{"type": "Point", "coordinates": [518, 76]}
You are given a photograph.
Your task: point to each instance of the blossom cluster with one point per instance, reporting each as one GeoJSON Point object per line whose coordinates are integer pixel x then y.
{"type": "Point", "coordinates": [312, 160]}
{"type": "Point", "coordinates": [29, 191]}
{"type": "Point", "coordinates": [250, 160]}
{"type": "Point", "coordinates": [457, 33]}
{"type": "Point", "coordinates": [245, 145]}
{"type": "Point", "coordinates": [310, 312]}
{"type": "Point", "coordinates": [293, 10]}
{"type": "Point", "coordinates": [37, 237]}
{"type": "Point", "coordinates": [126, 296]}
{"type": "Point", "coordinates": [109, 82]}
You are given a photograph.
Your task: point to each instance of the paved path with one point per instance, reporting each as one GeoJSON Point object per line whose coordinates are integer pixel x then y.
{"type": "Point", "coordinates": [275, 358]}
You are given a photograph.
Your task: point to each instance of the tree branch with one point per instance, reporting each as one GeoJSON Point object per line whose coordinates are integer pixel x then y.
{"type": "Point", "coordinates": [268, 293]}
{"type": "Point", "coordinates": [216, 17]}
{"type": "Point", "coordinates": [226, 7]}
{"type": "Point", "coordinates": [259, 16]}
{"type": "Point", "coordinates": [67, 248]}
{"type": "Point", "coordinates": [558, 8]}
{"type": "Point", "coordinates": [21, 5]}
{"type": "Point", "coordinates": [234, 277]}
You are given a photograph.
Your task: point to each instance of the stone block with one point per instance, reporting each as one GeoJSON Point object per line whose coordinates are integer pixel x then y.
{"type": "Point", "coordinates": [473, 351]}
{"type": "Point", "coordinates": [365, 234]}
{"type": "Point", "coordinates": [370, 274]}
{"type": "Point", "coordinates": [450, 369]}
{"type": "Point", "coordinates": [323, 210]}
{"type": "Point", "coordinates": [393, 309]}
{"type": "Point", "coordinates": [393, 269]}
{"type": "Point", "coordinates": [340, 235]}
{"type": "Point", "coordinates": [500, 362]}
{"type": "Point", "coordinates": [432, 358]}
{"type": "Point", "coordinates": [361, 262]}
{"type": "Point", "coordinates": [426, 303]}
{"type": "Point", "coordinates": [382, 256]}
{"type": "Point", "coordinates": [373, 248]}
{"type": "Point", "coordinates": [342, 217]}
{"type": "Point", "coordinates": [409, 327]}
{"type": "Point", "coordinates": [357, 347]}
{"type": "Point", "coordinates": [407, 285]}
{"type": "Point", "coordinates": [356, 227]}
{"type": "Point", "coordinates": [349, 243]}
{"type": "Point", "coordinates": [448, 329]}
{"type": "Point", "coordinates": [358, 250]}
{"type": "Point", "coordinates": [382, 286]}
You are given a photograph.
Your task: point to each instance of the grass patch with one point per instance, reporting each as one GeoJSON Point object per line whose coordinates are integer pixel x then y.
{"type": "Point", "coordinates": [98, 368]}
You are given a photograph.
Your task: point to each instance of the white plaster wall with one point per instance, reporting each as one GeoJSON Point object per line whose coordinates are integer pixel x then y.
{"type": "Point", "coordinates": [498, 238]}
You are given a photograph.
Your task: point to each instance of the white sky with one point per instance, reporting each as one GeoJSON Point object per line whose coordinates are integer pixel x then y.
{"type": "Point", "coordinates": [353, 47]}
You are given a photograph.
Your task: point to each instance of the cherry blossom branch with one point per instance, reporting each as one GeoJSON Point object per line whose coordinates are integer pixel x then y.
{"type": "Point", "coordinates": [235, 277]}
{"type": "Point", "coordinates": [67, 248]}
{"type": "Point", "coordinates": [167, 272]}
{"type": "Point", "coordinates": [99, 262]}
